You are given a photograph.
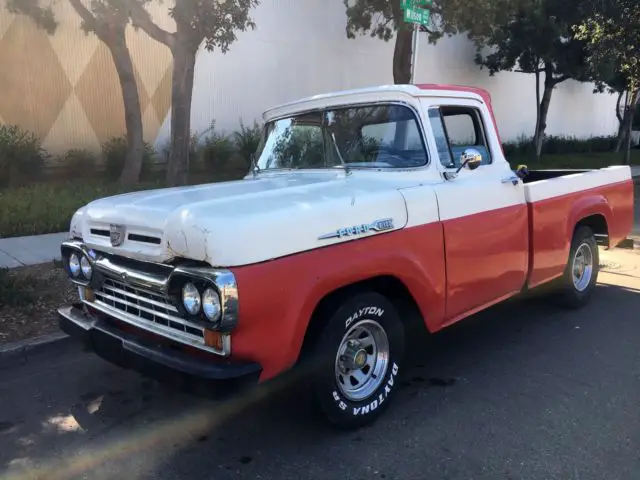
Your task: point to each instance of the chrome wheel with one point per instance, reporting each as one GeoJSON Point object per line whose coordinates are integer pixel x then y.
{"type": "Point", "coordinates": [362, 360]}
{"type": "Point", "coordinates": [582, 267]}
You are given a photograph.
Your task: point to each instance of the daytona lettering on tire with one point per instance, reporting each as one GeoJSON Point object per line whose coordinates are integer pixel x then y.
{"type": "Point", "coordinates": [360, 354]}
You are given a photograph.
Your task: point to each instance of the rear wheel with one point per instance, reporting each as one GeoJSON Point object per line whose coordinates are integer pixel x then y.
{"type": "Point", "coordinates": [357, 360]}
{"type": "Point", "coordinates": [581, 273]}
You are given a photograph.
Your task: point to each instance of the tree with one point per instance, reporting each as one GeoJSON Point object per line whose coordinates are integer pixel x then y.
{"type": "Point", "coordinates": [612, 33]}
{"type": "Point", "coordinates": [213, 22]}
{"type": "Point", "coordinates": [384, 18]}
{"type": "Point", "coordinates": [537, 39]}
{"type": "Point", "coordinates": [607, 78]}
{"type": "Point", "coordinates": [108, 22]}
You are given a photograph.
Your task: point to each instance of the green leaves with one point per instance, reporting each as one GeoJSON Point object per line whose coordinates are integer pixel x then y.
{"type": "Point", "coordinates": [213, 21]}
{"type": "Point", "coordinates": [535, 35]}
{"type": "Point", "coordinates": [612, 36]}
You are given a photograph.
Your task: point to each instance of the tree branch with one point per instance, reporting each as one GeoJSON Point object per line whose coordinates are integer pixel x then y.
{"type": "Point", "coordinates": [87, 17]}
{"type": "Point", "coordinates": [140, 18]}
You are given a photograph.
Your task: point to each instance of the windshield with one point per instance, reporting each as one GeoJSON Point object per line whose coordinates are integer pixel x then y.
{"type": "Point", "coordinates": [358, 137]}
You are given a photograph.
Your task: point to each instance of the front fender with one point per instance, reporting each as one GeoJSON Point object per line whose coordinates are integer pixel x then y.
{"type": "Point", "coordinates": [277, 298]}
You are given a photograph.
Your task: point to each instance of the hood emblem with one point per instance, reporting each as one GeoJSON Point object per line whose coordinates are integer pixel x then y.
{"type": "Point", "coordinates": [376, 226]}
{"type": "Point", "coordinates": [116, 234]}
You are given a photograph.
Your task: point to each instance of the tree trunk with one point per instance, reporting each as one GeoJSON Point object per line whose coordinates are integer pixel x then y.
{"type": "Point", "coordinates": [623, 129]}
{"type": "Point", "coordinates": [132, 113]}
{"type": "Point", "coordinates": [535, 134]}
{"type": "Point", "coordinates": [402, 57]}
{"type": "Point", "coordinates": [618, 114]}
{"type": "Point", "coordinates": [184, 61]}
{"type": "Point", "coordinates": [541, 125]}
{"type": "Point", "coordinates": [628, 126]}
{"type": "Point", "coordinates": [620, 117]}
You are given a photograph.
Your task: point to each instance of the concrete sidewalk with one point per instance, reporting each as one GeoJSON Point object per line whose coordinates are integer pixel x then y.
{"type": "Point", "coordinates": [21, 251]}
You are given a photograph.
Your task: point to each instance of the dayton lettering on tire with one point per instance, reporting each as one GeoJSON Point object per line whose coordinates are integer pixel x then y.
{"type": "Point", "coordinates": [372, 311]}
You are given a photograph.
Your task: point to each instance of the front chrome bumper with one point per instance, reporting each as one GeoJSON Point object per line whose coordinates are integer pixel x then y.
{"type": "Point", "coordinates": [151, 358]}
{"type": "Point", "coordinates": [147, 296]}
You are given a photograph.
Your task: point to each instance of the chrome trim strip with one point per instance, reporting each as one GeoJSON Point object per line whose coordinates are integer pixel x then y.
{"type": "Point", "coordinates": [134, 277]}
{"type": "Point", "coordinates": [166, 332]}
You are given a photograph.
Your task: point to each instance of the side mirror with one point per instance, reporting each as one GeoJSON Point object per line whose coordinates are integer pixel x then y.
{"type": "Point", "coordinates": [470, 159]}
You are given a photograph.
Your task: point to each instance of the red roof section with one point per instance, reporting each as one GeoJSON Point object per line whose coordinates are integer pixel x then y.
{"type": "Point", "coordinates": [484, 94]}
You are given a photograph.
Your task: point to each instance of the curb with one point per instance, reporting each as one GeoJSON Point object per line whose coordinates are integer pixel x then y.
{"type": "Point", "coordinates": [18, 353]}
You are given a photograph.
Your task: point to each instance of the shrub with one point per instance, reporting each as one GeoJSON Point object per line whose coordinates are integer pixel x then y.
{"type": "Point", "coordinates": [556, 145]}
{"type": "Point", "coordinates": [39, 209]}
{"type": "Point", "coordinates": [114, 152]}
{"type": "Point", "coordinates": [21, 155]}
{"type": "Point", "coordinates": [247, 140]}
{"type": "Point", "coordinates": [15, 290]}
{"type": "Point", "coordinates": [78, 163]}
{"type": "Point", "coordinates": [216, 151]}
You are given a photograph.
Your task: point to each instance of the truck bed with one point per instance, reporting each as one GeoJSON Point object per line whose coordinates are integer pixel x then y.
{"type": "Point", "coordinates": [538, 175]}
{"type": "Point", "coordinates": [559, 199]}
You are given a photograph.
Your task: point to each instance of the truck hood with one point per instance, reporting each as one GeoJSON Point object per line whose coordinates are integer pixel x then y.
{"type": "Point", "coordinates": [242, 222]}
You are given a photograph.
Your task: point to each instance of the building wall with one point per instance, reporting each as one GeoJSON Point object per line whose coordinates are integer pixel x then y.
{"type": "Point", "coordinates": [300, 48]}
{"type": "Point", "coordinates": [64, 86]}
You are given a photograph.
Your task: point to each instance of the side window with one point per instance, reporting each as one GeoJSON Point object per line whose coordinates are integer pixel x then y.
{"type": "Point", "coordinates": [442, 144]}
{"type": "Point", "coordinates": [402, 135]}
{"type": "Point", "coordinates": [464, 129]}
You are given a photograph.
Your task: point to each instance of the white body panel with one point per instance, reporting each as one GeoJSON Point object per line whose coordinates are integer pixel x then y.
{"type": "Point", "coordinates": [247, 221]}
{"type": "Point", "coordinates": [555, 187]}
{"type": "Point", "coordinates": [282, 213]}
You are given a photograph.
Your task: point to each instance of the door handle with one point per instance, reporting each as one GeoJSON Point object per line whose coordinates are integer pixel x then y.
{"type": "Point", "coordinates": [511, 179]}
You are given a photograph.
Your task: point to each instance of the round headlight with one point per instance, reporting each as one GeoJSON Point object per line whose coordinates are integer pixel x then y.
{"type": "Point", "coordinates": [87, 269]}
{"type": "Point", "coordinates": [191, 299]}
{"type": "Point", "coordinates": [74, 264]}
{"type": "Point", "coordinates": [211, 304]}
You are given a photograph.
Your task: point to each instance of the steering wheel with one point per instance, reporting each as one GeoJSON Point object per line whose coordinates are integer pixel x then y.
{"type": "Point", "coordinates": [399, 156]}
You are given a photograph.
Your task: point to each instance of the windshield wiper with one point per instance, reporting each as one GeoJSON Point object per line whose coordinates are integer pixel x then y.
{"type": "Point", "coordinates": [255, 168]}
{"type": "Point", "coordinates": [347, 169]}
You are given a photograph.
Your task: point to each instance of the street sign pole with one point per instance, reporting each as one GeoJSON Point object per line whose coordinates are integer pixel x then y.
{"type": "Point", "coordinates": [416, 14]}
{"type": "Point", "coordinates": [414, 52]}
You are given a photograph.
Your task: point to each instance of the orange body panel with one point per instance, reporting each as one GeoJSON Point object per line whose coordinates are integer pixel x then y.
{"type": "Point", "coordinates": [552, 223]}
{"type": "Point", "coordinates": [487, 256]}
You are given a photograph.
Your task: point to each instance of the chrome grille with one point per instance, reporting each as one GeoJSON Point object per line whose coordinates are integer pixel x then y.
{"type": "Point", "coordinates": [147, 307]}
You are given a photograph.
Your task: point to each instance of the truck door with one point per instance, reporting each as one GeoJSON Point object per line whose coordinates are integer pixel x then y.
{"type": "Point", "coordinates": [483, 212]}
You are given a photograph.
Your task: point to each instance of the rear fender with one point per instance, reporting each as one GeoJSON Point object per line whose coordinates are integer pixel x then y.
{"type": "Point", "coordinates": [594, 204]}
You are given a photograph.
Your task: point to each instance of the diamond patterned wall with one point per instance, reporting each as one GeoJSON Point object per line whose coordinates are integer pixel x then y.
{"type": "Point", "coordinates": [64, 87]}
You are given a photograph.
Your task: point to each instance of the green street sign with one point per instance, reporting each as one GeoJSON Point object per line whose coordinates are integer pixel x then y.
{"type": "Point", "coordinates": [417, 15]}
{"type": "Point", "coordinates": [405, 4]}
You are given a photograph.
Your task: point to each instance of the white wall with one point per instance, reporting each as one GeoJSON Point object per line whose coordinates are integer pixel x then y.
{"type": "Point", "coordinates": [300, 48]}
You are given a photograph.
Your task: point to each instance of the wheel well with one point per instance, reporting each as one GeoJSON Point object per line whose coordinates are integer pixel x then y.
{"type": "Point", "coordinates": [598, 224]}
{"type": "Point", "coordinates": [389, 286]}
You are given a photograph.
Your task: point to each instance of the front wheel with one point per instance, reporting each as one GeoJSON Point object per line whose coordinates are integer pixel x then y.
{"type": "Point", "coordinates": [581, 273]}
{"type": "Point", "coordinates": [359, 355]}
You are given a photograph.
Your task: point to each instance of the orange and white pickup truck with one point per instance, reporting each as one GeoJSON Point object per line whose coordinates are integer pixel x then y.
{"type": "Point", "coordinates": [367, 214]}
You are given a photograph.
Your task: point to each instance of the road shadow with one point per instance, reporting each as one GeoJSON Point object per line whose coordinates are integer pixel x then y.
{"type": "Point", "coordinates": [109, 423]}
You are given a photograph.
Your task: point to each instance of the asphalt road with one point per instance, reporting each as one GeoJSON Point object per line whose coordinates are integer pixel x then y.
{"type": "Point", "coordinates": [523, 391]}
